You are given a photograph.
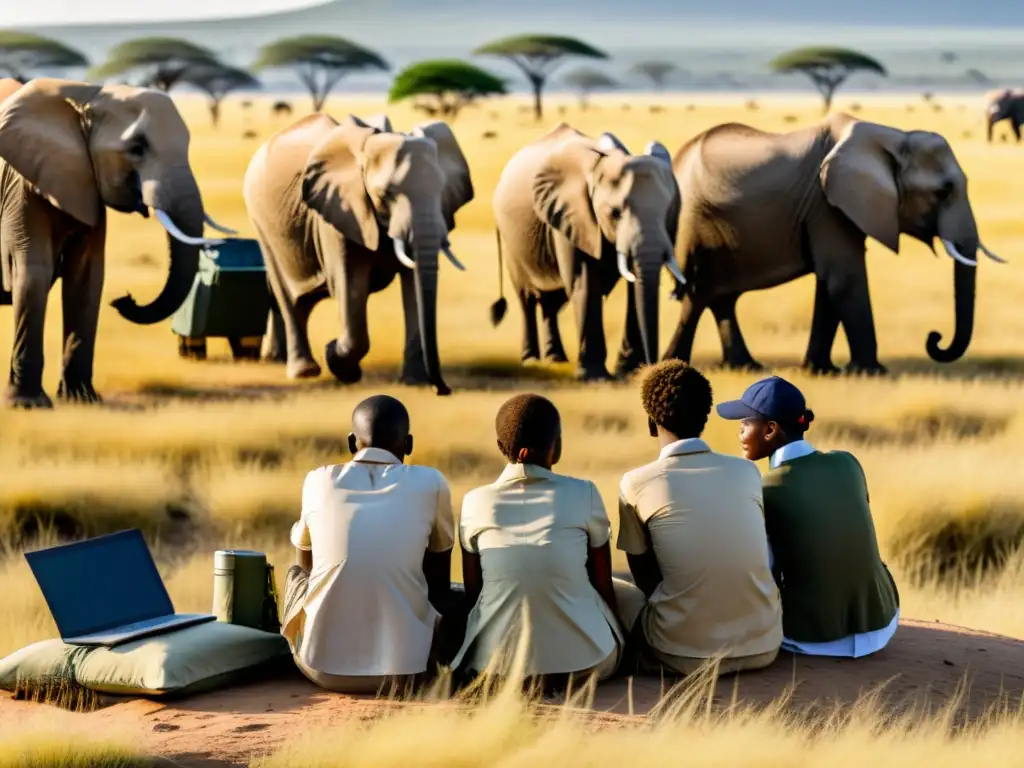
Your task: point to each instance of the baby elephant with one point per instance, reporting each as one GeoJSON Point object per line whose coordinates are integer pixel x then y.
{"type": "Point", "coordinates": [573, 215]}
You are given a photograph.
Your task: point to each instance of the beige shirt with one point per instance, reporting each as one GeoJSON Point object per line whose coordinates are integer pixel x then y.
{"type": "Point", "coordinates": [704, 515]}
{"type": "Point", "coordinates": [532, 529]}
{"type": "Point", "coordinates": [368, 524]}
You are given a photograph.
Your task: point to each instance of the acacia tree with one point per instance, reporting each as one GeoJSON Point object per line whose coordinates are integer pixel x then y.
{"type": "Point", "coordinates": [537, 56]}
{"type": "Point", "coordinates": [584, 81]}
{"type": "Point", "coordinates": [442, 87]}
{"type": "Point", "coordinates": [160, 61]}
{"type": "Point", "coordinates": [22, 53]}
{"type": "Point", "coordinates": [656, 71]}
{"type": "Point", "coordinates": [828, 68]}
{"type": "Point", "coordinates": [319, 61]}
{"type": "Point", "coordinates": [217, 81]}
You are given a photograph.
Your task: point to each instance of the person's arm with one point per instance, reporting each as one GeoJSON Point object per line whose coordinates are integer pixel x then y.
{"type": "Point", "coordinates": [599, 571]}
{"type": "Point", "coordinates": [635, 541]}
{"type": "Point", "coordinates": [300, 530]}
{"type": "Point", "coordinates": [472, 575]}
{"type": "Point", "coordinates": [437, 560]}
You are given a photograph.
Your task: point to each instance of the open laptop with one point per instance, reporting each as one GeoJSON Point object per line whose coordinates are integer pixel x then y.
{"type": "Point", "coordinates": [106, 591]}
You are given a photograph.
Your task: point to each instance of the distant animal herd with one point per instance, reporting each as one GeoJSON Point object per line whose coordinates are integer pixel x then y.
{"type": "Point", "coordinates": [342, 208]}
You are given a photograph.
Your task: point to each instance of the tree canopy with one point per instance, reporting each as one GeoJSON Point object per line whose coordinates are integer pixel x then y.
{"type": "Point", "coordinates": [586, 80]}
{"type": "Point", "coordinates": [22, 53]}
{"type": "Point", "coordinates": [537, 56]}
{"type": "Point", "coordinates": [217, 80]}
{"type": "Point", "coordinates": [448, 85]}
{"type": "Point", "coordinates": [656, 71]}
{"type": "Point", "coordinates": [161, 61]}
{"type": "Point", "coordinates": [828, 68]}
{"type": "Point", "coordinates": [319, 61]}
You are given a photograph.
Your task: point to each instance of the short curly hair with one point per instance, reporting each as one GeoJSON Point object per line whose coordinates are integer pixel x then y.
{"type": "Point", "coordinates": [676, 397]}
{"type": "Point", "coordinates": [527, 421]}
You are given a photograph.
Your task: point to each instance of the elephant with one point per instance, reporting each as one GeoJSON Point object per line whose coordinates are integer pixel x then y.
{"type": "Point", "coordinates": [573, 214]}
{"type": "Point", "coordinates": [69, 150]}
{"type": "Point", "coordinates": [340, 209]}
{"type": "Point", "coordinates": [1007, 104]}
{"type": "Point", "coordinates": [761, 209]}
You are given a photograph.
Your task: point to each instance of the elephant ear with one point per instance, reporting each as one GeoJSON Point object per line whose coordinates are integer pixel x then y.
{"type": "Point", "coordinates": [859, 178]}
{"type": "Point", "coordinates": [660, 152]}
{"type": "Point", "coordinates": [332, 183]}
{"type": "Point", "coordinates": [42, 137]}
{"type": "Point", "coordinates": [458, 186]}
{"type": "Point", "coordinates": [561, 196]}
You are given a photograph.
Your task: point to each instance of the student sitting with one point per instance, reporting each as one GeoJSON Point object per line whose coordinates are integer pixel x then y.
{"type": "Point", "coordinates": [838, 598]}
{"type": "Point", "coordinates": [536, 559]}
{"type": "Point", "coordinates": [692, 527]}
{"type": "Point", "coordinates": [374, 557]}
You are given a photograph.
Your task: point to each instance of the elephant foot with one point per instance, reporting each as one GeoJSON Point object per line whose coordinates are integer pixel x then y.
{"type": "Point", "coordinates": [557, 356]}
{"type": "Point", "coordinates": [413, 378]}
{"type": "Point", "coordinates": [874, 368]}
{"type": "Point", "coordinates": [303, 369]}
{"type": "Point", "coordinates": [627, 366]}
{"type": "Point", "coordinates": [345, 369]}
{"type": "Point", "coordinates": [78, 392]}
{"type": "Point", "coordinates": [19, 397]}
{"type": "Point", "coordinates": [825, 368]}
{"type": "Point", "coordinates": [529, 360]}
{"type": "Point", "coordinates": [593, 374]}
{"type": "Point", "coordinates": [746, 366]}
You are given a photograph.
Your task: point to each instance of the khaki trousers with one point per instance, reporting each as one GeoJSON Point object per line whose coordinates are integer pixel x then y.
{"type": "Point", "coordinates": [356, 684]}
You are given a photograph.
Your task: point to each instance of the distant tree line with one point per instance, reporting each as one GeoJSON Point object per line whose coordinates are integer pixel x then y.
{"type": "Point", "coordinates": [441, 87]}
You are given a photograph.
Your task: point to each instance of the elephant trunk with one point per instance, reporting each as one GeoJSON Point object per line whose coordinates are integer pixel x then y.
{"type": "Point", "coordinates": [646, 287]}
{"type": "Point", "coordinates": [425, 273]}
{"type": "Point", "coordinates": [964, 280]}
{"type": "Point", "coordinates": [181, 213]}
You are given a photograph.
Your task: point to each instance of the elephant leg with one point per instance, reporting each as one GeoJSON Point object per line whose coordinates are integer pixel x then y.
{"type": "Point", "coordinates": [275, 348]}
{"type": "Point", "coordinates": [849, 293]}
{"type": "Point", "coordinates": [631, 353]}
{"type": "Point", "coordinates": [345, 352]}
{"type": "Point", "coordinates": [734, 349]}
{"type": "Point", "coordinates": [551, 303]}
{"type": "Point", "coordinates": [531, 340]}
{"type": "Point", "coordinates": [284, 328]}
{"type": "Point", "coordinates": [81, 289]}
{"type": "Point", "coordinates": [32, 278]}
{"type": "Point", "coordinates": [824, 325]}
{"type": "Point", "coordinates": [588, 299]}
{"type": "Point", "coordinates": [681, 346]}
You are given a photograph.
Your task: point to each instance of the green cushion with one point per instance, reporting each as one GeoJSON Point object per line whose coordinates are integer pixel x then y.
{"type": "Point", "coordinates": [201, 657]}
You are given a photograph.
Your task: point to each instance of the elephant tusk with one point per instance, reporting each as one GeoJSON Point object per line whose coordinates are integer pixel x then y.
{"type": "Point", "coordinates": [673, 267]}
{"type": "Point", "coordinates": [994, 257]}
{"type": "Point", "coordinates": [401, 255]}
{"type": "Point", "coordinates": [624, 268]}
{"type": "Point", "coordinates": [956, 255]}
{"type": "Point", "coordinates": [447, 248]}
{"type": "Point", "coordinates": [214, 225]}
{"type": "Point", "coordinates": [177, 234]}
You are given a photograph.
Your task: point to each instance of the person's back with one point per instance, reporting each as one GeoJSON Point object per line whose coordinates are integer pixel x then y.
{"type": "Point", "coordinates": [374, 547]}
{"type": "Point", "coordinates": [692, 527]}
{"type": "Point", "coordinates": [536, 559]}
{"type": "Point", "coordinates": [703, 514]}
{"type": "Point", "coordinates": [831, 576]}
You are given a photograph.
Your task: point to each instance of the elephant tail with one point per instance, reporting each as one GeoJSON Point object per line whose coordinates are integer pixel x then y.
{"type": "Point", "coordinates": [500, 307]}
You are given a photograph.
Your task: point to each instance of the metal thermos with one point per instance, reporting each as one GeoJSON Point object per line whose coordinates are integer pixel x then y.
{"type": "Point", "coordinates": [240, 587]}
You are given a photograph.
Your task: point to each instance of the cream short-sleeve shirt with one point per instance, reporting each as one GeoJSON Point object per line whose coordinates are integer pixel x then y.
{"type": "Point", "coordinates": [532, 529]}
{"type": "Point", "coordinates": [368, 524]}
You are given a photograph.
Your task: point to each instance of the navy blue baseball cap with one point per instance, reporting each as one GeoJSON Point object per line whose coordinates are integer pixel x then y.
{"type": "Point", "coordinates": [774, 399]}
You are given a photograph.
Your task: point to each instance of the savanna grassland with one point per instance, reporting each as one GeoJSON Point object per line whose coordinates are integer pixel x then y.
{"type": "Point", "coordinates": [212, 454]}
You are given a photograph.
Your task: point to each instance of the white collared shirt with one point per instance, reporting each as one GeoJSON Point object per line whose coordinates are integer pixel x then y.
{"type": "Point", "coordinates": [368, 524]}
{"type": "Point", "coordinates": [856, 645]}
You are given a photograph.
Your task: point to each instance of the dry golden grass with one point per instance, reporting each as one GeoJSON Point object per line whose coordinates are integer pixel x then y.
{"type": "Point", "coordinates": [54, 738]}
{"type": "Point", "coordinates": [214, 453]}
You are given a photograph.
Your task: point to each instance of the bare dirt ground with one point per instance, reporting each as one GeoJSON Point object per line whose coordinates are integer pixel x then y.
{"type": "Point", "coordinates": [925, 667]}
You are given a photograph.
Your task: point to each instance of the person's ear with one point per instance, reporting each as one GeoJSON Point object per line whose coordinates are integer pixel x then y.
{"type": "Point", "coordinates": [353, 448]}
{"type": "Point", "coordinates": [652, 427]}
{"type": "Point", "coordinates": [772, 431]}
{"type": "Point", "coordinates": [408, 445]}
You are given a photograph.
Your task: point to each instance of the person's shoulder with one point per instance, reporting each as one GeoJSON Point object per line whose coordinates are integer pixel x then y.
{"type": "Point", "coordinates": [737, 465]}
{"type": "Point", "coordinates": [636, 477]}
{"type": "Point", "coordinates": [429, 475]}
{"type": "Point", "coordinates": [321, 474]}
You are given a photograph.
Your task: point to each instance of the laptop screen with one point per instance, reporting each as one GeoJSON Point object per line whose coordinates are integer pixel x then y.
{"type": "Point", "coordinates": [100, 584]}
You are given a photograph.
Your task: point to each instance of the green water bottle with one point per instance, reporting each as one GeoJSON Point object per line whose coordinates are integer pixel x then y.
{"type": "Point", "coordinates": [241, 588]}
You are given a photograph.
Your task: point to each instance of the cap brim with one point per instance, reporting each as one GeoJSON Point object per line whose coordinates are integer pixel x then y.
{"type": "Point", "coordinates": [735, 410]}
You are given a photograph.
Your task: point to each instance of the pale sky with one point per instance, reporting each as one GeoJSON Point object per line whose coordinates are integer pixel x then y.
{"type": "Point", "coordinates": [15, 13]}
